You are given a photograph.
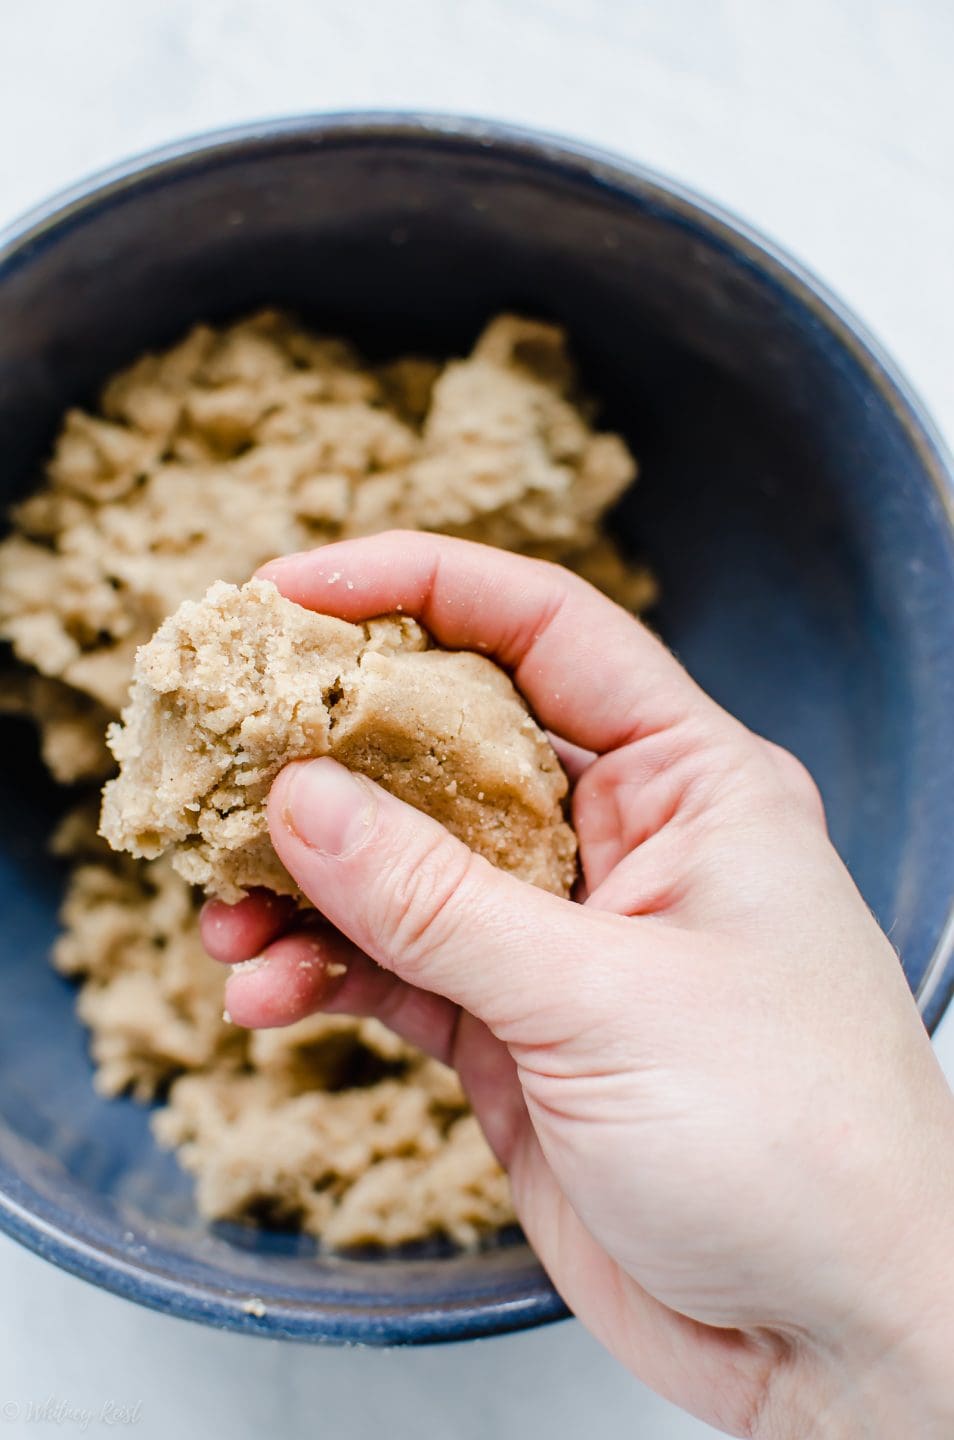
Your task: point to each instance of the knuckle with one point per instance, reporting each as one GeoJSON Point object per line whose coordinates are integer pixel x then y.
{"type": "Point", "coordinates": [797, 780]}
{"type": "Point", "coordinates": [419, 907]}
{"type": "Point", "coordinates": [754, 779]}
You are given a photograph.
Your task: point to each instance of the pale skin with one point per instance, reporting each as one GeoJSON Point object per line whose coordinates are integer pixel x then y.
{"type": "Point", "coordinates": [728, 1138]}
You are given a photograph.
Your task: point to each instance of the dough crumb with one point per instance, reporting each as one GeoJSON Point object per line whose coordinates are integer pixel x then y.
{"type": "Point", "coordinates": [248, 967]}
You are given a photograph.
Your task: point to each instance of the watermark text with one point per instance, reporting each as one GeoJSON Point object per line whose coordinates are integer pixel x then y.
{"type": "Point", "coordinates": [51, 1410]}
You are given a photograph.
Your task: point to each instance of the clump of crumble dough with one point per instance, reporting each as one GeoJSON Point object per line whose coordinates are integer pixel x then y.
{"type": "Point", "coordinates": [234, 686]}
{"type": "Point", "coordinates": [380, 1163]}
{"type": "Point", "coordinates": [333, 1124]}
{"type": "Point", "coordinates": [253, 440]}
{"type": "Point", "coordinates": [239, 443]}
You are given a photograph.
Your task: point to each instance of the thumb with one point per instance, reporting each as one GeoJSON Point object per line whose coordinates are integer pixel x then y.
{"type": "Point", "coordinates": [418, 901]}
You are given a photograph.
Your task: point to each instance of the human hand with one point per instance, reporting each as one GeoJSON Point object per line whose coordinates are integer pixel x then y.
{"type": "Point", "coordinates": [728, 1139]}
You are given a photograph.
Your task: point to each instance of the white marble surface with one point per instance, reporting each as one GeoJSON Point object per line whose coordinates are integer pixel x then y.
{"type": "Point", "coordinates": [827, 123]}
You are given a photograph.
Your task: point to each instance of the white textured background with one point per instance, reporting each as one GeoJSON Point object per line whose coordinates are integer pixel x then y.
{"type": "Point", "coordinates": [827, 123]}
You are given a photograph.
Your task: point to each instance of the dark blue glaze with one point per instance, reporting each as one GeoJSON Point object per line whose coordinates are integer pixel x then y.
{"type": "Point", "coordinates": [794, 499]}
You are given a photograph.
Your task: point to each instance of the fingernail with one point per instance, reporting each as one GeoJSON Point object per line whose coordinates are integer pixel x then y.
{"type": "Point", "coordinates": [328, 807]}
{"type": "Point", "coordinates": [277, 565]}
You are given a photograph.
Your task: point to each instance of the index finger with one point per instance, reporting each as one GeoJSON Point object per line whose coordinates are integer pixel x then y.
{"type": "Point", "coordinates": [590, 671]}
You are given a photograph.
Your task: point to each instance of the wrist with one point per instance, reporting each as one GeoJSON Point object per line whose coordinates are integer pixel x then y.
{"type": "Point", "coordinates": [907, 1390]}
{"type": "Point", "coordinates": [885, 1370]}
{"type": "Point", "coordinates": [876, 1362]}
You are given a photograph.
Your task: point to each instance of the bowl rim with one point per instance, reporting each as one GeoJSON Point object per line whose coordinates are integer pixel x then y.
{"type": "Point", "coordinates": [20, 239]}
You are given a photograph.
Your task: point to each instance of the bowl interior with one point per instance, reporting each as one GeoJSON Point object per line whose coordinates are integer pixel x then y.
{"type": "Point", "coordinates": [786, 501]}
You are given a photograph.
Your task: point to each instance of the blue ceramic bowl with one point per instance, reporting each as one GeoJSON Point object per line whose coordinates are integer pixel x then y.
{"type": "Point", "coordinates": [795, 502]}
